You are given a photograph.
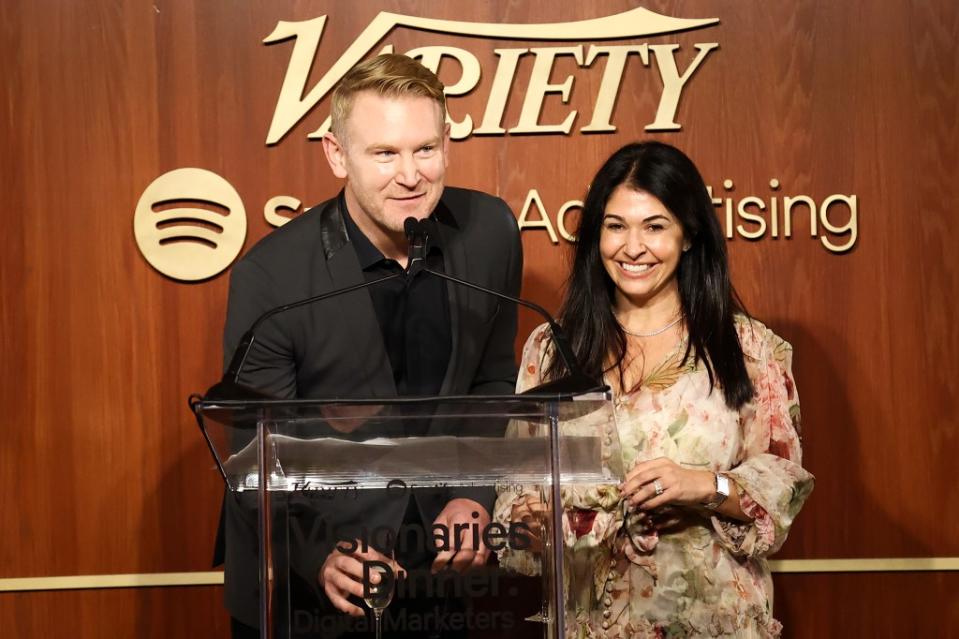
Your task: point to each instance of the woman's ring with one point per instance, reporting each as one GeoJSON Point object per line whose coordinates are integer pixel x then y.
{"type": "Point", "coordinates": [658, 488]}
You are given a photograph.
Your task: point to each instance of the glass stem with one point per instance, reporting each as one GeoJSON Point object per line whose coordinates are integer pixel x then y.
{"type": "Point", "coordinates": [378, 614]}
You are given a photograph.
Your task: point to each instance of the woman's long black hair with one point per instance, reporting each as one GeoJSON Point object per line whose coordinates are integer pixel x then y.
{"type": "Point", "coordinates": [709, 303]}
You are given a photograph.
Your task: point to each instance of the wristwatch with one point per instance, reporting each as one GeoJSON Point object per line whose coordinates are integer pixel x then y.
{"type": "Point", "coordinates": [722, 492]}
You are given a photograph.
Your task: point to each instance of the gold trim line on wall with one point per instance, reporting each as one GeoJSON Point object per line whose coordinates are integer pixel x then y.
{"type": "Point", "coordinates": [215, 578]}
{"type": "Point", "coordinates": [141, 580]}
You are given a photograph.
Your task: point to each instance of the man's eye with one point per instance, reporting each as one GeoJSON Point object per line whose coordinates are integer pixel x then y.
{"type": "Point", "coordinates": [427, 149]}
{"type": "Point", "coordinates": [384, 154]}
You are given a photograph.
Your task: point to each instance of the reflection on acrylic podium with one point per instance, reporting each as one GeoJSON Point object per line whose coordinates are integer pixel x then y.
{"type": "Point", "coordinates": [371, 477]}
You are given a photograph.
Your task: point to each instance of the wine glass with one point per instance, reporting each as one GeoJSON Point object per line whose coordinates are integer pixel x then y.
{"type": "Point", "coordinates": [546, 560]}
{"type": "Point", "coordinates": [379, 595]}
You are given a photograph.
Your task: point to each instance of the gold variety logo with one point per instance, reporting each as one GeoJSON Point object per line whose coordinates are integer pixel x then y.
{"type": "Point", "coordinates": [297, 100]}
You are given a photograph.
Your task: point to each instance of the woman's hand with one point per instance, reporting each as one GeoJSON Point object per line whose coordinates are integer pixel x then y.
{"type": "Point", "coordinates": [675, 484]}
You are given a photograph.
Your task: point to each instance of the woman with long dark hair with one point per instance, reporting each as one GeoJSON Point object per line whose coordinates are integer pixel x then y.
{"type": "Point", "coordinates": [706, 412]}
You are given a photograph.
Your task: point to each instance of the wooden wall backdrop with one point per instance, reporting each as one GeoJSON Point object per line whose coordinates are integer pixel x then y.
{"type": "Point", "coordinates": [103, 470]}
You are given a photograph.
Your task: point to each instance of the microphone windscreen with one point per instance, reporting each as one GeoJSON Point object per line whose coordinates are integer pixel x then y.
{"type": "Point", "coordinates": [410, 226]}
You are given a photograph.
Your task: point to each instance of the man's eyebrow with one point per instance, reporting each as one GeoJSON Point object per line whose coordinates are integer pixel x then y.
{"type": "Point", "coordinates": [373, 148]}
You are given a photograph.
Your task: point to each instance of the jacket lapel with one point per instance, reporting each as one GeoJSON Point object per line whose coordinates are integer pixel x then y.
{"type": "Point", "coordinates": [354, 311]}
{"type": "Point", "coordinates": [455, 263]}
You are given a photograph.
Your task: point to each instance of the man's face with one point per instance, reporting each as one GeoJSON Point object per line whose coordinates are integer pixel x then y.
{"type": "Point", "coordinates": [394, 159]}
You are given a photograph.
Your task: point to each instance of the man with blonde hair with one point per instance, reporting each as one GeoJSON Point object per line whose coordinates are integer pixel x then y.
{"type": "Point", "coordinates": [389, 141]}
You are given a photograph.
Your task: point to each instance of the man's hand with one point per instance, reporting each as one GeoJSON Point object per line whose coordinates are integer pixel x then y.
{"type": "Point", "coordinates": [346, 420]}
{"type": "Point", "coordinates": [341, 575]}
{"type": "Point", "coordinates": [463, 554]}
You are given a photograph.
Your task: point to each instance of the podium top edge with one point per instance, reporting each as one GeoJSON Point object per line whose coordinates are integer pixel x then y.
{"type": "Point", "coordinates": [598, 394]}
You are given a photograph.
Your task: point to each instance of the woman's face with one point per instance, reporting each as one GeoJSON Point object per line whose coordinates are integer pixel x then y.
{"type": "Point", "coordinates": [640, 244]}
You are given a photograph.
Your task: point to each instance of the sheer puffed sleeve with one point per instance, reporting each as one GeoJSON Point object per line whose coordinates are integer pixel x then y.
{"type": "Point", "coordinates": [536, 351]}
{"type": "Point", "coordinates": [772, 482]}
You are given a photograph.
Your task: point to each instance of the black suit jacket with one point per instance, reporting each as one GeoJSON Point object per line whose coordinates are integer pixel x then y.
{"type": "Point", "coordinates": [334, 348]}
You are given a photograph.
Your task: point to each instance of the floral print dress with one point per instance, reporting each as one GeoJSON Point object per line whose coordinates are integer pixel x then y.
{"type": "Point", "coordinates": [709, 578]}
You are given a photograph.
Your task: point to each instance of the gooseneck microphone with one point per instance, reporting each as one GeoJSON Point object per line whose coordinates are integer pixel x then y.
{"type": "Point", "coordinates": [418, 234]}
{"type": "Point", "coordinates": [229, 386]}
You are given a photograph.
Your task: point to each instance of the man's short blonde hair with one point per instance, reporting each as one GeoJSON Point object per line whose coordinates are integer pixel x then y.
{"type": "Point", "coordinates": [389, 75]}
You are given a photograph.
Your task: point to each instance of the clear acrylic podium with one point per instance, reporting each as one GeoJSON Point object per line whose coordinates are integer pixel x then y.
{"type": "Point", "coordinates": [372, 476]}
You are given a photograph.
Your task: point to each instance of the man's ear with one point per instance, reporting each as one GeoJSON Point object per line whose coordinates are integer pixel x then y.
{"type": "Point", "coordinates": [335, 155]}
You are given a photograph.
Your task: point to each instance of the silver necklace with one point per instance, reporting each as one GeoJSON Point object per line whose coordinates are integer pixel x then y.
{"type": "Point", "coordinates": [653, 333]}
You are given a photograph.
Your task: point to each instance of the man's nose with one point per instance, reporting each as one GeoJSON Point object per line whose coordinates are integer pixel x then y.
{"type": "Point", "coordinates": [407, 173]}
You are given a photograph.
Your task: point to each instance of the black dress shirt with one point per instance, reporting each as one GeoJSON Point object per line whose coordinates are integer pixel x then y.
{"type": "Point", "coordinates": [414, 317]}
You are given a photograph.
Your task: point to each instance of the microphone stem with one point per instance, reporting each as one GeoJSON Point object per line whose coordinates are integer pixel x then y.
{"type": "Point", "coordinates": [559, 337]}
{"type": "Point", "coordinates": [317, 298]}
{"type": "Point", "coordinates": [246, 342]}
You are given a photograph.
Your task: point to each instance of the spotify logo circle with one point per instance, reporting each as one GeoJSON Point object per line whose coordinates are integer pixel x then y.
{"type": "Point", "coordinates": [190, 224]}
